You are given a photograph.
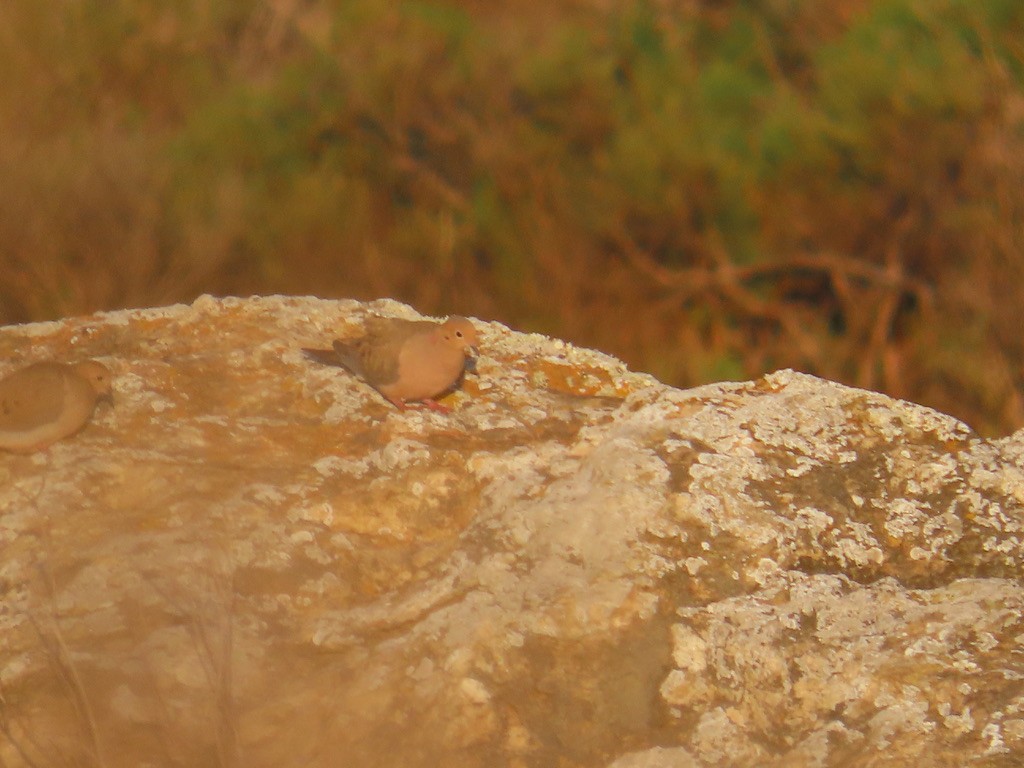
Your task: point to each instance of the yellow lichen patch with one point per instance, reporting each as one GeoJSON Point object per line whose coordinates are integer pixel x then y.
{"type": "Point", "coordinates": [414, 505]}
{"type": "Point", "coordinates": [580, 380]}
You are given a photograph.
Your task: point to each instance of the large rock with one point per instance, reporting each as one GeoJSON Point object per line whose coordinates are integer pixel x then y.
{"type": "Point", "coordinates": [253, 560]}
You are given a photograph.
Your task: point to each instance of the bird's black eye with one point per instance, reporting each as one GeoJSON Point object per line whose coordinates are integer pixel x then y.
{"type": "Point", "coordinates": [459, 334]}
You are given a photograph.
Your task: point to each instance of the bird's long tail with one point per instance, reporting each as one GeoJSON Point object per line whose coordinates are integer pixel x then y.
{"type": "Point", "coordinates": [334, 357]}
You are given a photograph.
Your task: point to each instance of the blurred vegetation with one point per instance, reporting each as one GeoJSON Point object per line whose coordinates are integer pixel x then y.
{"type": "Point", "coordinates": [706, 188]}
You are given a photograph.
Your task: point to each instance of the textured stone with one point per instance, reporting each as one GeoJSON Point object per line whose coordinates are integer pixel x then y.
{"type": "Point", "coordinates": [253, 560]}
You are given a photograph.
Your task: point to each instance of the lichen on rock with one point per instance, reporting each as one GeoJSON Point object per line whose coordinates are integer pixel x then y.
{"type": "Point", "coordinates": [255, 560]}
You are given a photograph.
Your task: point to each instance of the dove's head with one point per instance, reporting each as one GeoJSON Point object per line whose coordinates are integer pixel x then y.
{"type": "Point", "coordinates": [458, 332]}
{"type": "Point", "coordinates": [99, 378]}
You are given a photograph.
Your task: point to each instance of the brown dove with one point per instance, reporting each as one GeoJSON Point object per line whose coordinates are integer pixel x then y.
{"type": "Point", "coordinates": [48, 401]}
{"type": "Point", "coordinates": [407, 361]}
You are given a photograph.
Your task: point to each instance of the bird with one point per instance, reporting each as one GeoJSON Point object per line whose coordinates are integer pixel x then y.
{"type": "Point", "coordinates": [48, 401]}
{"type": "Point", "coordinates": [407, 361]}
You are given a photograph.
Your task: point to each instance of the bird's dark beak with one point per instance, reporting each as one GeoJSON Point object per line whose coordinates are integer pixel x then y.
{"type": "Point", "coordinates": [472, 353]}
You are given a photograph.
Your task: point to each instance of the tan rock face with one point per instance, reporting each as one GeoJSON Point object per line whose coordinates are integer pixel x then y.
{"type": "Point", "coordinates": [253, 560]}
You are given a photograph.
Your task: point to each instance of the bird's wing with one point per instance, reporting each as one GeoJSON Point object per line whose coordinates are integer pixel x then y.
{"type": "Point", "coordinates": [375, 356]}
{"type": "Point", "coordinates": [30, 398]}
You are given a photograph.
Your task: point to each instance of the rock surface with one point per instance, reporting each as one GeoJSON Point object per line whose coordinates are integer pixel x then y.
{"type": "Point", "coordinates": [253, 560]}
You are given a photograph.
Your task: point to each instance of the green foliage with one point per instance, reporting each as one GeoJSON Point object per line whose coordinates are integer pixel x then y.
{"type": "Point", "coordinates": [749, 184]}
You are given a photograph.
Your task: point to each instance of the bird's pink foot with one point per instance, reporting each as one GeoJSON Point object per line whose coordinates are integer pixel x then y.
{"type": "Point", "coordinates": [433, 405]}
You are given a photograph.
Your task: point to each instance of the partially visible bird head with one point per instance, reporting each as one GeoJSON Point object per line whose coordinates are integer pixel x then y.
{"type": "Point", "coordinates": [98, 376]}
{"type": "Point", "coordinates": [460, 333]}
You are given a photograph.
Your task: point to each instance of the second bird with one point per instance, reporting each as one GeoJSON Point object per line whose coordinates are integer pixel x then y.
{"type": "Point", "coordinates": [48, 401]}
{"type": "Point", "coordinates": [407, 361]}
